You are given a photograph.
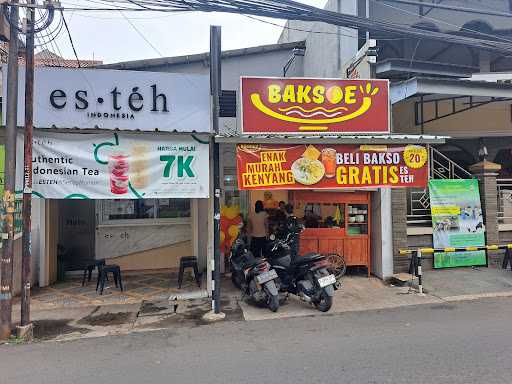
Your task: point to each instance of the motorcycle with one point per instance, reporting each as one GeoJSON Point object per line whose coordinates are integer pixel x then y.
{"type": "Point", "coordinates": [306, 276]}
{"type": "Point", "coordinates": [253, 276]}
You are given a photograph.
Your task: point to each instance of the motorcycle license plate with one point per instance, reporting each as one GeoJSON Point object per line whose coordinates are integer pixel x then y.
{"type": "Point", "coordinates": [266, 276]}
{"type": "Point", "coordinates": [326, 280]}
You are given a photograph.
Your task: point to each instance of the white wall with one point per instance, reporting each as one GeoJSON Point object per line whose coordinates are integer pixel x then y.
{"type": "Point", "coordinates": [326, 52]}
{"type": "Point", "coordinates": [266, 64]}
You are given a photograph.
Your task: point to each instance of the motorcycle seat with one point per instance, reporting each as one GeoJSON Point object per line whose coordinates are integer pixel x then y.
{"type": "Point", "coordinates": [308, 258]}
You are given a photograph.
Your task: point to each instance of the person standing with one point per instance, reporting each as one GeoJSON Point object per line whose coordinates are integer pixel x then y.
{"type": "Point", "coordinates": [258, 229]}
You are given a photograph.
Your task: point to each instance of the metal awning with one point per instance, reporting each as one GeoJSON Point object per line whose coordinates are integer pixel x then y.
{"type": "Point", "coordinates": [331, 139]}
{"type": "Point", "coordinates": [404, 68]}
{"type": "Point", "coordinates": [419, 86]}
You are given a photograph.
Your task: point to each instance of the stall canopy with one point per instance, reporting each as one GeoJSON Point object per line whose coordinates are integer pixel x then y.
{"type": "Point", "coordinates": [331, 139]}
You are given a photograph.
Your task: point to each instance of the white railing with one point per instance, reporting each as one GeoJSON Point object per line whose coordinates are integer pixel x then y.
{"type": "Point", "coordinates": [418, 200]}
{"type": "Point", "coordinates": [504, 188]}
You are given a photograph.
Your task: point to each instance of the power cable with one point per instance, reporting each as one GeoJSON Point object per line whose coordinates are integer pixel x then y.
{"type": "Point", "coordinates": [460, 27]}
{"type": "Point", "coordinates": [142, 35]}
{"type": "Point", "coordinates": [320, 32]}
{"type": "Point", "coordinates": [492, 12]}
{"type": "Point", "coordinates": [292, 10]}
{"type": "Point", "coordinates": [70, 39]}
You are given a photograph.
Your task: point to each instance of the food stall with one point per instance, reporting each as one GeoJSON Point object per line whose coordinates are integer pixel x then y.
{"type": "Point", "coordinates": [336, 222]}
{"type": "Point", "coordinates": [324, 146]}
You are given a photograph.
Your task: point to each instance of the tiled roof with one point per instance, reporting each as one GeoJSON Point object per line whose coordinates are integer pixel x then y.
{"type": "Point", "coordinates": [47, 58]}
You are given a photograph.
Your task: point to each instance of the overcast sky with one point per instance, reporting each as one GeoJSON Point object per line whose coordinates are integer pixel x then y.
{"type": "Point", "coordinates": [110, 37]}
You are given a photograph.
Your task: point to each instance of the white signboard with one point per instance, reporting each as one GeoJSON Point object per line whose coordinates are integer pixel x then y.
{"type": "Point", "coordinates": [117, 166]}
{"type": "Point", "coordinates": [110, 99]}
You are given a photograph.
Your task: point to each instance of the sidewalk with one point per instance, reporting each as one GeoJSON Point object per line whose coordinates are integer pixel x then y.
{"type": "Point", "coordinates": [357, 293]}
{"type": "Point", "coordinates": [468, 283]}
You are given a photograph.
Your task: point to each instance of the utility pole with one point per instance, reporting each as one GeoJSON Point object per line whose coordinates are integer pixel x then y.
{"type": "Point", "coordinates": [26, 327]}
{"type": "Point", "coordinates": [215, 86]}
{"type": "Point", "coordinates": [6, 271]}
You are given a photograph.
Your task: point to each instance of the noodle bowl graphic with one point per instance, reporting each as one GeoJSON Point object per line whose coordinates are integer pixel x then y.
{"type": "Point", "coordinates": [318, 115]}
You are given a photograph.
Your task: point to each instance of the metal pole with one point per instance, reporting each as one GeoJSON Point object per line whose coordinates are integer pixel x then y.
{"type": "Point", "coordinates": [215, 84]}
{"type": "Point", "coordinates": [27, 179]}
{"type": "Point", "coordinates": [420, 273]}
{"type": "Point", "coordinates": [6, 271]}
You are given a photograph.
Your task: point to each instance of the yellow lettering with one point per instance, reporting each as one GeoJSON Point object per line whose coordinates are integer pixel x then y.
{"type": "Point", "coordinates": [367, 177]}
{"type": "Point", "coordinates": [376, 173]}
{"type": "Point", "coordinates": [303, 94]}
{"type": "Point", "coordinates": [393, 176]}
{"type": "Point", "coordinates": [289, 94]}
{"type": "Point", "coordinates": [341, 175]}
{"type": "Point", "coordinates": [274, 94]}
{"type": "Point", "coordinates": [318, 94]}
{"type": "Point", "coordinates": [353, 175]}
{"type": "Point", "coordinates": [350, 94]}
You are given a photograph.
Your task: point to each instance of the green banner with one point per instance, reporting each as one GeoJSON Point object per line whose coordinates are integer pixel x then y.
{"type": "Point", "coordinates": [2, 169]}
{"type": "Point", "coordinates": [457, 221]}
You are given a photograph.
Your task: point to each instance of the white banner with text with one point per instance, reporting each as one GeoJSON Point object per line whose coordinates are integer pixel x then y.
{"type": "Point", "coordinates": [113, 99]}
{"type": "Point", "coordinates": [117, 166]}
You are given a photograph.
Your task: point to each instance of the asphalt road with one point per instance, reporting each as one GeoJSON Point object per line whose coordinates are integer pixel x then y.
{"type": "Point", "coordinates": [466, 342]}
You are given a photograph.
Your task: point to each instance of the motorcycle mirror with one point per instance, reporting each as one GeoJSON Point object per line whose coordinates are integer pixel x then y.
{"type": "Point", "coordinates": [272, 237]}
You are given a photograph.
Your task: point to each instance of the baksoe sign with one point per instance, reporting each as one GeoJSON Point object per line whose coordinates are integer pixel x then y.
{"type": "Point", "coordinates": [298, 105]}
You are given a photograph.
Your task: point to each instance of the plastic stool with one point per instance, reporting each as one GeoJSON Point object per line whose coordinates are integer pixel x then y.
{"type": "Point", "coordinates": [188, 262]}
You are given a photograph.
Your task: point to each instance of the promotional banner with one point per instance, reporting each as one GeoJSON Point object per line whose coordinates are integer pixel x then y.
{"type": "Point", "coordinates": [331, 166]}
{"type": "Point", "coordinates": [112, 99]}
{"type": "Point", "coordinates": [117, 166]}
{"type": "Point", "coordinates": [457, 221]}
{"type": "Point", "coordinates": [298, 105]}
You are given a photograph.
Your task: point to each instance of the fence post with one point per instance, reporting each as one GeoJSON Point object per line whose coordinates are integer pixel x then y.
{"type": "Point", "coordinates": [420, 272]}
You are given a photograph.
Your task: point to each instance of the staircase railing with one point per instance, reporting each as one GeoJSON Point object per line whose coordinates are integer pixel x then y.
{"type": "Point", "coordinates": [418, 200]}
{"type": "Point", "coordinates": [504, 187]}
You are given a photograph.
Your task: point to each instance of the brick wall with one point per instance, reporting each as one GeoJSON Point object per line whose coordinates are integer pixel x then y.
{"type": "Point", "coordinates": [489, 198]}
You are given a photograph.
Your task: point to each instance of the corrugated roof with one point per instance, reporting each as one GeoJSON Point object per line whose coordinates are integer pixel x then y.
{"type": "Point", "coordinates": [187, 59]}
{"type": "Point", "coordinates": [332, 139]}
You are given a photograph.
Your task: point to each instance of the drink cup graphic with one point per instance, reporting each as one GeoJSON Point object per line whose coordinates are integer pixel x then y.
{"type": "Point", "coordinates": [329, 162]}
{"type": "Point", "coordinates": [118, 166]}
{"type": "Point", "coordinates": [139, 166]}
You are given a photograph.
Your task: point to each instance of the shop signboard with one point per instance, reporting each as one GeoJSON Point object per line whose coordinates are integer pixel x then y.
{"type": "Point", "coordinates": [331, 167]}
{"type": "Point", "coordinates": [112, 99]}
{"type": "Point", "coordinates": [117, 166]}
{"type": "Point", "coordinates": [301, 105]}
{"type": "Point", "coordinates": [457, 221]}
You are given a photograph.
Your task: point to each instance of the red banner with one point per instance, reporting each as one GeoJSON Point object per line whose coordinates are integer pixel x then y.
{"type": "Point", "coordinates": [331, 166]}
{"type": "Point", "coordinates": [287, 105]}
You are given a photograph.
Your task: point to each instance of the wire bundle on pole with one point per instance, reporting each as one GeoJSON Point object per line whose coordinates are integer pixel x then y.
{"type": "Point", "coordinates": [292, 10]}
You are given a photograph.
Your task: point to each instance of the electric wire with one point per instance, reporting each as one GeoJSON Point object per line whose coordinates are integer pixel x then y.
{"type": "Point", "coordinates": [142, 35]}
{"type": "Point", "coordinates": [322, 32]}
{"type": "Point", "coordinates": [70, 39]}
{"type": "Point", "coordinates": [287, 9]}
{"type": "Point", "coordinates": [460, 27]}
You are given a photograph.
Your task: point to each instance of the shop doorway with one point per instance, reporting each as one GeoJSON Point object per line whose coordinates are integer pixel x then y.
{"type": "Point", "coordinates": [335, 222]}
{"type": "Point", "coordinates": [76, 239]}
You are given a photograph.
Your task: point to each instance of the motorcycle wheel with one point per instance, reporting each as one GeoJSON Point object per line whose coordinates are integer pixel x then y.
{"type": "Point", "coordinates": [273, 303]}
{"type": "Point", "coordinates": [324, 303]}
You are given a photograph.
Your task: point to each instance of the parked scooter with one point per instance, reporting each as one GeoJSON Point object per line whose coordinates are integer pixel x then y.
{"type": "Point", "coordinates": [306, 276]}
{"type": "Point", "coordinates": [253, 276]}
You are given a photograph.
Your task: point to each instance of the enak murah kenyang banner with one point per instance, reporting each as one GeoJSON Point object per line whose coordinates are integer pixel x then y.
{"type": "Point", "coordinates": [331, 166]}
{"type": "Point", "coordinates": [457, 221]}
{"type": "Point", "coordinates": [117, 166]}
